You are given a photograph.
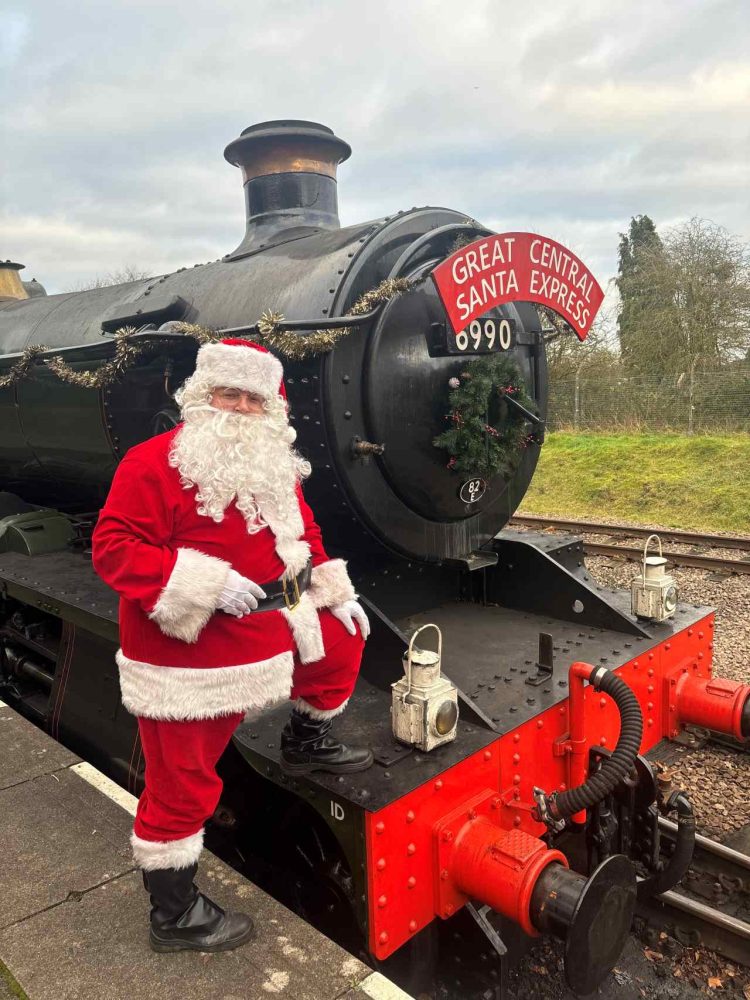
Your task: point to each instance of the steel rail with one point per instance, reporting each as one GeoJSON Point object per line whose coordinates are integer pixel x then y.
{"type": "Point", "coordinates": [628, 530]}
{"type": "Point", "coordinates": [711, 846]}
{"type": "Point", "coordinates": [678, 558]}
{"type": "Point", "coordinates": [715, 917]}
{"type": "Point", "coordinates": [723, 932]}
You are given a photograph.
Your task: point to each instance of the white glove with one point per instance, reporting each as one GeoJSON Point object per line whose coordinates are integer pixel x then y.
{"type": "Point", "coordinates": [240, 596]}
{"type": "Point", "coordinates": [349, 612]}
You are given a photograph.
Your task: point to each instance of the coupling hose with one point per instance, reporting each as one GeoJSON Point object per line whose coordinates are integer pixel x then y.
{"type": "Point", "coordinates": [616, 767]}
{"type": "Point", "coordinates": [682, 855]}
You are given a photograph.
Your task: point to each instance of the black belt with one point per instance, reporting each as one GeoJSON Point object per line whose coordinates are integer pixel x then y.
{"type": "Point", "coordinates": [285, 593]}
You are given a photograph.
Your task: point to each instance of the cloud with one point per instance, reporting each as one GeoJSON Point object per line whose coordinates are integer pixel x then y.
{"type": "Point", "coordinates": [565, 118]}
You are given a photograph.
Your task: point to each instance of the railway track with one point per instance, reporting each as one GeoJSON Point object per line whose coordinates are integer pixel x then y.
{"type": "Point", "coordinates": [711, 909]}
{"type": "Point", "coordinates": [696, 560]}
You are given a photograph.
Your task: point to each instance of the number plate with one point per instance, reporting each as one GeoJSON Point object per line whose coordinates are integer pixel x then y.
{"type": "Point", "coordinates": [472, 490]}
{"type": "Point", "coordinates": [481, 336]}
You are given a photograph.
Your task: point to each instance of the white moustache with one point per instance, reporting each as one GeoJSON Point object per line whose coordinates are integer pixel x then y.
{"type": "Point", "coordinates": [230, 455]}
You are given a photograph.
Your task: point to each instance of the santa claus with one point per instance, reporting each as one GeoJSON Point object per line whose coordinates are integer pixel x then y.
{"type": "Point", "coordinates": [228, 604]}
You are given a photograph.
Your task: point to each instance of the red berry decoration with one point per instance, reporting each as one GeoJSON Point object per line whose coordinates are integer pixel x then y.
{"type": "Point", "coordinates": [475, 446]}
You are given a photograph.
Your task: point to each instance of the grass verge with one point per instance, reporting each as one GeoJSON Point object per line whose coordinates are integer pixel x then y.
{"type": "Point", "coordinates": [695, 483]}
{"type": "Point", "coordinates": [11, 985]}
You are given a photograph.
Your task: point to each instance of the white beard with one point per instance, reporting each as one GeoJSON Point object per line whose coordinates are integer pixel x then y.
{"type": "Point", "coordinates": [250, 458]}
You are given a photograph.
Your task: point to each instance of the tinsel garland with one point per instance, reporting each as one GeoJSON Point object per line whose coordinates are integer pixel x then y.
{"type": "Point", "coordinates": [292, 345]}
{"type": "Point", "coordinates": [23, 366]}
{"type": "Point", "coordinates": [475, 446]}
{"type": "Point", "coordinates": [296, 348]}
{"type": "Point", "coordinates": [125, 355]}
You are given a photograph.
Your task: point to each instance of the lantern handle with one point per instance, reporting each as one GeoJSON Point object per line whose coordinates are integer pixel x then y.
{"type": "Point", "coordinates": [408, 655]}
{"type": "Point", "coordinates": [645, 553]}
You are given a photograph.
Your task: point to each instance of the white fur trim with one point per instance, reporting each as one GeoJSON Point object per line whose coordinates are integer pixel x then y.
{"type": "Point", "coordinates": [189, 599]}
{"type": "Point", "coordinates": [294, 554]}
{"type": "Point", "coordinates": [305, 626]}
{"type": "Point", "coordinates": [157, 692]}
{"type": "Point", "coordinates": [300, 705]}
{"type": "Point", "coordinates": [153, 854]}
{"type": "Point", "coordinates": [330, 584]}
{"type": "Point", "coordinates": [239, 367]}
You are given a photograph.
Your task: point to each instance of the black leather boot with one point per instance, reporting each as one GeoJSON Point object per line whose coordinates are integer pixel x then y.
{"type": "Point", "coordinates": [306, 746]}
{"type": "Point", "coordinates": [183, 919]}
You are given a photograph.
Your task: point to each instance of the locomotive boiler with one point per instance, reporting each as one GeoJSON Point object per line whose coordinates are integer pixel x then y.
{"type": "Point", "coordinates": [541, 815]}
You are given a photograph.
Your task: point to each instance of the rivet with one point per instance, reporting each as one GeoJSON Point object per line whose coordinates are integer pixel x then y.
{"type": "Point", "coordinates": [539, 724]}
{"type": "Point", "coordinates": [650, 689]}
{"type": "Point", "coordinates": [602, 702]}
{"type": "Point", "coordinates": [383, 937]}
{"type": "Point", "coordinates": [650, 722]}
{"type": "Point", "coordinates": [516, 758]}
{"type": "Point", "coordinates": [487, 755]}
{"type": "Point", "coordinates": [516, 821]}
{"type": "Point", "coordinates": [700, 636]}
{"type": "Point", "coordinates": [516, 779]}
{"type": "Point", "coordinates": [667, 645]}
{"type": "Point", "coordinates": [700, 656]}
{"type": "Point", "coordinates": [438, 785]}
{"type": "Point", "coordinates": [516, 738]}
{"type": "Point", "coordinates": [411, 848]}
{"type": "Point", "coordinates": [412, 925]}
{"type": "Point", "coordinates": [410, 816]}
{"type": "Point", "coordinates": [382, 900]}
{"type": "Point", "coordinates": [449, 908]}
{"type": "Point", "coordinates": [379, 826]}
{"type": "Point", "coordinates": [650, 673]}
{"type": "Point", "coordinates": [690, 631]}
{"type": "Point", "coordinates": [603, 741]}
{"type": "Point", "coordinates": [381, 864]}
{"type": "Point", "coordinates": [444, 875]}
{"type": "Point", "coordinates": [411, 882]}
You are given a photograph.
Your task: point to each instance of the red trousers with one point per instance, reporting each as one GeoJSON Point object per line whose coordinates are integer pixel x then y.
{"type": "Point", "coordinates": [182, 786]}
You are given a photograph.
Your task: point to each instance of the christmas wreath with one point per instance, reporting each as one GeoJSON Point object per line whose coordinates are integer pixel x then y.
{"type": "Point", "coordinates": [490, 412]}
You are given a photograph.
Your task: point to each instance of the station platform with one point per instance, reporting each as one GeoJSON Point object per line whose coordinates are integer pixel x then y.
{"type": "Point", "coordinates": [74, 914]}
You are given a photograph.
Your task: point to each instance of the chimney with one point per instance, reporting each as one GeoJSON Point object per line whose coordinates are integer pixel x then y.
{"type": "Point", "coordinates": [289, 173]}
{"type": "Point", "coordinates": [11, 286]}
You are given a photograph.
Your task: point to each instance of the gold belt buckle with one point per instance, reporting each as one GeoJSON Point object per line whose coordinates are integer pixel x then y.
{"type": "Point", "coordinates": [290, 601]}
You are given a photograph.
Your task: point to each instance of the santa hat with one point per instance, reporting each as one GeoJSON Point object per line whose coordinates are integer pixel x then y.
{"type": "Point", "coordinates": [240, 364]}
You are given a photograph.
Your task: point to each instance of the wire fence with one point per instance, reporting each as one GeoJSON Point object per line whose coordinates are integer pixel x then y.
{"type": "Point", "coordinates": [692, 403]}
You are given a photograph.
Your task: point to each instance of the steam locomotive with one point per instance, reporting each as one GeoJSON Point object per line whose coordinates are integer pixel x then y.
{"type": "Point", "coordinates": [440, 863]}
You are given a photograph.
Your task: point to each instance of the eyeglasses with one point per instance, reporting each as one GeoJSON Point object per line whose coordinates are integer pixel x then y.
{"type": "Point", "coordinates": [230, 395]}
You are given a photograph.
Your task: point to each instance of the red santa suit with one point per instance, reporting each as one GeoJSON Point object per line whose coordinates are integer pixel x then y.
{"type": "Point", "coordinates": [188, 671]}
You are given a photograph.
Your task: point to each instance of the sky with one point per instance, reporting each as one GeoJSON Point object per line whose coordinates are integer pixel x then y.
{"type": "Point", "coordinates": [562, 118]}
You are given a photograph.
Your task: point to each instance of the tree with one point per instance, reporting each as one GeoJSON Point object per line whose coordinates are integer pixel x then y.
{"type": "Point", "coordinates": [119, 277]}
{"type": "Point", "coordinates": [646, 298]}
{"type": "Point", "coordinates": [568, 358]}
{"type": "Point", "coordinates": [710, 274]}
{"type": "Point", "coordinates": [685, 300]}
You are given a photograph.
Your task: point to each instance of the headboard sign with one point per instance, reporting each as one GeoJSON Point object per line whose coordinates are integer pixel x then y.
{"type": "Point", "coordinates": [517, 267]}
